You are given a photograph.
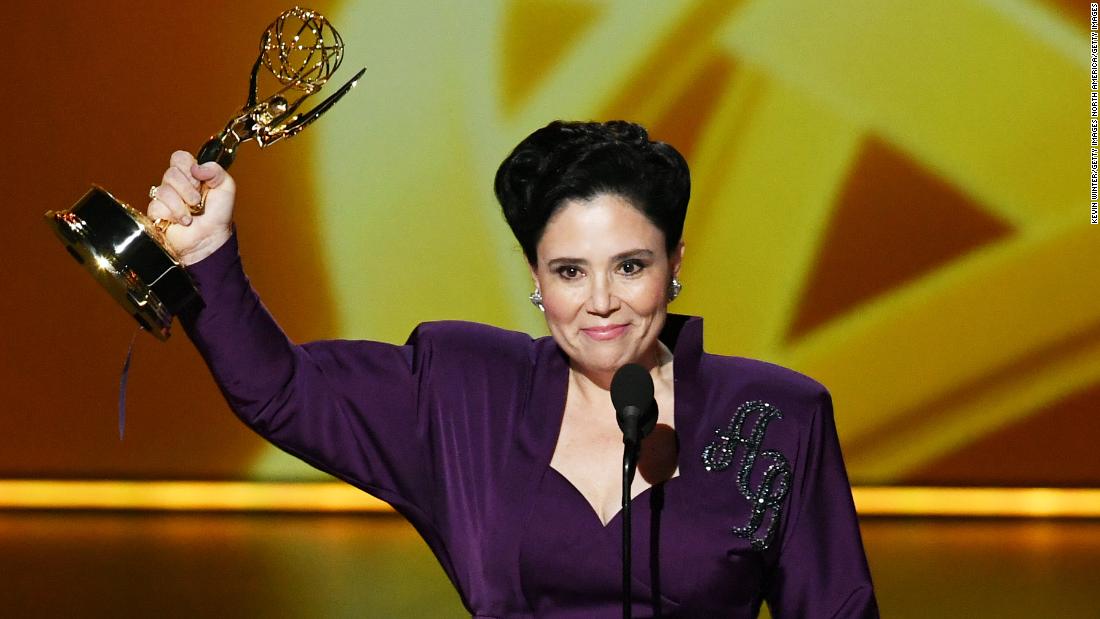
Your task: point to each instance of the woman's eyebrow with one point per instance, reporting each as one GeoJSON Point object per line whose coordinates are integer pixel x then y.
{"type": "Point", "coordinates": [565, 260]}
{"type": "Point", "coordinates": [633, 253]}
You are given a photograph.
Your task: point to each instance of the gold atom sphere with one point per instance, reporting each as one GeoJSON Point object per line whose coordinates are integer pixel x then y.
{"type": "Point", "coordinates": [301, 49]}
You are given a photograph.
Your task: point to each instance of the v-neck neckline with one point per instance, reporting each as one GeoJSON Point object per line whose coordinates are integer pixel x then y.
{"type": "Point", "coordinates": [591, 509]}
{"type": "Point", "coordinates": [683, 366]}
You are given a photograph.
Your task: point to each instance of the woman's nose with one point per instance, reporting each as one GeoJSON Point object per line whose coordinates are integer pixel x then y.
{"type": "Point", "coordinates": [602, 299]}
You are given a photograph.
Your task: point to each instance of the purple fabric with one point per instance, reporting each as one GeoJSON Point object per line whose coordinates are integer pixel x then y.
{"type": "Point", "coordinates": [456, 429]}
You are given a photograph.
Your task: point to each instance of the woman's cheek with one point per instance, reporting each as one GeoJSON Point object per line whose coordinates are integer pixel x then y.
{"type": "Point", "coordinates": [650, 298]}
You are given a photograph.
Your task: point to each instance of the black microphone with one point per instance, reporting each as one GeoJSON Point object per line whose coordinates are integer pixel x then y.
{"type": "Point", "coordinates": [636, 412]}
{"type": "Point", "coordinates": [635, 408]}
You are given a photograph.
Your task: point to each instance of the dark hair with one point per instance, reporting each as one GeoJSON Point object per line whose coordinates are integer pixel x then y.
{"type": "Point", "coordinates": [580, 160]}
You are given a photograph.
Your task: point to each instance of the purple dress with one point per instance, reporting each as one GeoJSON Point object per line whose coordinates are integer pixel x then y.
{"type": "Point", "coordinates": [456, 429]}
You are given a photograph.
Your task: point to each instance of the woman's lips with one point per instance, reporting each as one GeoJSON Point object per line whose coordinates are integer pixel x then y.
{"type": "Point", "coordinates": [605, 333]}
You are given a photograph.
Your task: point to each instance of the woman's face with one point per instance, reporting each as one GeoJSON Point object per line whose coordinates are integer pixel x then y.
{"type": "Point", "coordinates": [604, 274]}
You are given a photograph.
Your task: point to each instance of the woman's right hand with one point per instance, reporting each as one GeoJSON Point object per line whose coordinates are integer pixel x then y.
{"type": "Point", "coordinates": [194, 237]}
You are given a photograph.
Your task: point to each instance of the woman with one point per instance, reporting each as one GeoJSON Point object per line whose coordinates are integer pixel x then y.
{"type": "Point", "coordinates": [503, 451]}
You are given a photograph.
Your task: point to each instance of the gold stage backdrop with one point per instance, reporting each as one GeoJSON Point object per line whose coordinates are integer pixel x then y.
{"type": "Point", "coordinates": [891, 197]}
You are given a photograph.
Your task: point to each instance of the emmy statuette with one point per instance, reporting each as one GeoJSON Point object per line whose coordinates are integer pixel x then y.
{"type": "Point", "coordinates": [127, 252]}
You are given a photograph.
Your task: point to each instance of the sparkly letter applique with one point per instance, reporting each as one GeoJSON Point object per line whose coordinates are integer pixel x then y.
{"type": "Point", "coordinates": [776, 480]}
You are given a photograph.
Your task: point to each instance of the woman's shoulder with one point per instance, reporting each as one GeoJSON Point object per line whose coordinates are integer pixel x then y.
{"type": "Point", "coordinates": [462, 330]}
{"type": "Point", "coordinates": [764, 372]}
{"type": "Point", "coordinates": [747, 380]}
{"type": "Point", "coordinates": [728, 379]}
{"type": "Point", "coordinates": [467, 341]}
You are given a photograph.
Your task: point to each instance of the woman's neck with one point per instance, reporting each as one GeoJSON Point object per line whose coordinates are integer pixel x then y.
{"type": "Point", "coordinates": [593, 386]}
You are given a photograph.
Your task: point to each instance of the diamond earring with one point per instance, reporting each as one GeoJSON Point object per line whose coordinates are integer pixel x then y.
{"type": "Point", "coordinates": [536, 300]}
{"type": "Point", "coordinates": [674, 289]}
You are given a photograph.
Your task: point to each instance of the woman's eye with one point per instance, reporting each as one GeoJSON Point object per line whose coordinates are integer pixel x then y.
{"type": "Point", "coordinates": [569, 272]}
{"type": "Point", "coordinates": [631, 267]}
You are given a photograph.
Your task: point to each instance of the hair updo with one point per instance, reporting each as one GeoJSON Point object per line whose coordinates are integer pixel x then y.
{"type": "Point", "coordinates": [580, 160]}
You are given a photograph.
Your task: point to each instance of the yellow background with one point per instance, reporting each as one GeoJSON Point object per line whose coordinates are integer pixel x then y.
{"type": "Point", "coordinates": [891, 197]}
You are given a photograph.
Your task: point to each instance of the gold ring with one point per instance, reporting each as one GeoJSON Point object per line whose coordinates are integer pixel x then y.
{"type": "Point", "coordinates": [153, 192]}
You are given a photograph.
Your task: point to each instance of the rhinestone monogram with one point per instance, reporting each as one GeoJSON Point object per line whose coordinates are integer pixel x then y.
{"type": "Point", "coordinates": [775, 481]}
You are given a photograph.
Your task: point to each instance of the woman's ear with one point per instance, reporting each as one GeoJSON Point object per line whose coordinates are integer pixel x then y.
{"type": "Point", "coordinates": [534, 275]}
{"type": "Point", "coordinates": [676, 258]}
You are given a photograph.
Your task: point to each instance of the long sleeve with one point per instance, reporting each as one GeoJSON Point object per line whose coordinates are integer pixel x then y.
{"type": "Point", "coordinates": [434, 427]}
{"type": "Point", "coordinates": [348, 408]}
{"type": "Point", "coordinates": [822, 570]}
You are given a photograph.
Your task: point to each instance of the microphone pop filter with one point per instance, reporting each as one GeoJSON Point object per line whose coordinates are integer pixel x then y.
{"type": "Point", "coordinates": [635, 408]}
{"type": "Point", "coordinates": [631, 386]}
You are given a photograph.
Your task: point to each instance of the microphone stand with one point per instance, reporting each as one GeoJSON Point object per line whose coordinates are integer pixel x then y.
{"type": "Point", "coordinates": [636, 413]}
{"type": "Point", "coordinates": [630, 463]}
